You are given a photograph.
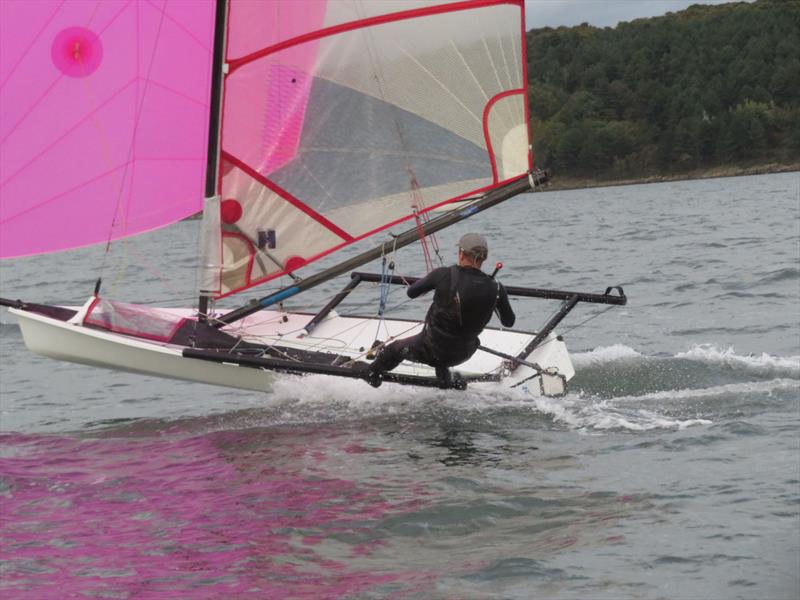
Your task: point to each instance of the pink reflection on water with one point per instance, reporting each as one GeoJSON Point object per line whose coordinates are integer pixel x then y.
{"type": "Point", "coordinates": [209, 516]}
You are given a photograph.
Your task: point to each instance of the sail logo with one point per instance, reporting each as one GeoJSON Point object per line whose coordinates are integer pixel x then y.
{"type": "Point", "coordinates": [77, 52]}
{"type": "Point", "coordinates": [267, 239]}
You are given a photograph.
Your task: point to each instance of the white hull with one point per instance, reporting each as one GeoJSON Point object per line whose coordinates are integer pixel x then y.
{"type": "Point", "coordinates": [348, 336]}
{"type": "Point", "coordinates": [74, 343]}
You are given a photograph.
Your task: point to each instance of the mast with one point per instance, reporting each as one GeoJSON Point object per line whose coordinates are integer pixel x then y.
{"type": "Point", "coordinates": [491, 198]}
{"type": "Point", "coordinates": [214, 129]}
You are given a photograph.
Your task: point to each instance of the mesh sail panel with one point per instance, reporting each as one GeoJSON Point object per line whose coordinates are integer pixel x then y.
{"type": "Point", "coordinates": [134, 320]}
{"type": "Point", "coordinates": [388, 109]}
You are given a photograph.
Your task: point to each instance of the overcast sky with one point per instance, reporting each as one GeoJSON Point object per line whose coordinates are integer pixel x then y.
{"type": "Point", "coordinates": [600, 13]}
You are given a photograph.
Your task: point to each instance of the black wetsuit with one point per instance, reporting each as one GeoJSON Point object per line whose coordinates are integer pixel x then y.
{"type": "Point", "coordinates": [463, 303]}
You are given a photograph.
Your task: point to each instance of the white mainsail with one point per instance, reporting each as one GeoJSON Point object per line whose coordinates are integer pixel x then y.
{"type": "Point", "coordinates": [346, 117]}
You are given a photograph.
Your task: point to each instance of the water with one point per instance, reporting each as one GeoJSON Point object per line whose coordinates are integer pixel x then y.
{"type": "Point", "coordinates": [671, 469]}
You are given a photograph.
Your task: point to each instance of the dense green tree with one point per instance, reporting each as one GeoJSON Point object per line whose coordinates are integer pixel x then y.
{"type": "Point", "coordinates": [546, 100]}
{"type": "Point", "coordinates": [710, 85]}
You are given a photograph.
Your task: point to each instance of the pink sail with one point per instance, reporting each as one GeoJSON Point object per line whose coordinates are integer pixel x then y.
{"type": "Point", "coordinates": [342, 119]}
{"type": "Point", "coordinates": [103, 127]}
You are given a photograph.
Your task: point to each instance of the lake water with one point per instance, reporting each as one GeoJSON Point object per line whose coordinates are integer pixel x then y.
{"type": "Point", "coordinates": [671, 469]}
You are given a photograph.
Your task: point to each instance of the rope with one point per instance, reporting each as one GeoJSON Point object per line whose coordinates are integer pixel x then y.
{"type": "Point", "coordinates": [434, 244]}
{"type": "Point", "coordinates": [379, 346]}
{"type": "Point", "coordinates": [423, 242]}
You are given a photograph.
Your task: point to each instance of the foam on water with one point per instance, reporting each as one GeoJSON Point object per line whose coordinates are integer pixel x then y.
{"type": "Point", "coordinates": [346, 400]}
{"type": "Point", "coordinates": [604, 354]}
{"type": "Point", "coordinates": [754, 388]}
{"type": "Point", "coordinates": [676, 405]}
{"type": "Point", "coordinates": [586, 415]}
{"type": "Point", "coordinates": [764, 365]}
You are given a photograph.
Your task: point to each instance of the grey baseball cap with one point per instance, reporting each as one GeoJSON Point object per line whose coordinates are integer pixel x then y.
{"type": "Point", "coordinates": [474, 243]}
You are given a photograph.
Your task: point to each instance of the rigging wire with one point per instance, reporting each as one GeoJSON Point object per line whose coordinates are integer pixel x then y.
{"type": "Point", "coordinates": [131, 149]}
{"type": "Point", "coordinates": [385, 287]}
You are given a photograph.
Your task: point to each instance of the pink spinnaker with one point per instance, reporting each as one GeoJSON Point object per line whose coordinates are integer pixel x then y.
{"type": "Point", "coordinates": [103, 119]}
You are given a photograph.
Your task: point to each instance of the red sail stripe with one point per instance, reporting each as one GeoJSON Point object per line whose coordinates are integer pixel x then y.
{"type": "Point", "coordinates": [235, 63]}
{"type": "Point", "coordinates": [287, 196]}
{"type": "Point", "coordinates": [486, 110]}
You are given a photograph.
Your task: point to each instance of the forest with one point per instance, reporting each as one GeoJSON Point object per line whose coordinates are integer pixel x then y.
{"type": "Point", "coordinates": [710, 86]}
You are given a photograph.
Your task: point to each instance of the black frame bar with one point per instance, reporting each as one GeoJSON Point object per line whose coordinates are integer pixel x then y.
{"type": "Point", "coordinates": [301, 368]}
{"type": "Point", "coordinates": [605, 298]}
{"type": "Point", "coordinates": [334, 302]}
{"type": "Point", "coordinates": [570, 300]}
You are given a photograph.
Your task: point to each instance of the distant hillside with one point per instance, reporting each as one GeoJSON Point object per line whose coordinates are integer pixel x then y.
{"type": "Point", "coordinates": [706, 88]}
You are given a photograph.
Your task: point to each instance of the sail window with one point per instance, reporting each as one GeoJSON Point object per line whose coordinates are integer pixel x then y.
{"type": "Point", "coordinates": [134, 320]}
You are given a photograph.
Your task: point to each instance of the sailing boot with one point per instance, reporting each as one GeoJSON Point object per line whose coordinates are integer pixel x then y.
{"type": "Point", "coordinates": [372, 376]}
{"type": "Point", "coordinates": [449, 380]}
{"type": "Point", "coordinates": [458, 381]}
{"type": "Point", "coordinates": [444, 378]}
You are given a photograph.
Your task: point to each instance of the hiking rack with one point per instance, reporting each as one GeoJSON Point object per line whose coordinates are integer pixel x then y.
{"type": "Point", "coordinates": [569, 301]}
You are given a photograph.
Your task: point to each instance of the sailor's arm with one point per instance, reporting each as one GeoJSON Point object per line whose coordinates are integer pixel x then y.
{"type": "Point", "coordinates": [504, 310]}
{"type": "Point", "coordinates": [426, 284]}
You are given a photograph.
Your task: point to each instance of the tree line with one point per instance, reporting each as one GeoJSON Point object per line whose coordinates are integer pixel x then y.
{"type": "Point", "coordinates": [709, 86]}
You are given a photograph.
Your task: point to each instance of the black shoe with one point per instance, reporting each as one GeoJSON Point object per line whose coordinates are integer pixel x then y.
{"type": "Point", "coordinates": [449, 380]}
{"type": "Point", "coordinates": [374, 378]}
{"type": "Point", "coordinates": [458, 382]}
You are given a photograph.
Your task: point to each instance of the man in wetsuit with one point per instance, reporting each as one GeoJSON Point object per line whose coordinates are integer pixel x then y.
{"type": "Point", "coordinates": [463, 302]}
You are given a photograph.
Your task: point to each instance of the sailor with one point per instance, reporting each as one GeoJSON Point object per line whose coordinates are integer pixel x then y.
{"type": "Point", "coordinates": [463, 302]}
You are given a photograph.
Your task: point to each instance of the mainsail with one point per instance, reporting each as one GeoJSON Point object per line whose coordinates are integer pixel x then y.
{"type": "Point", "coordinates": [342, 118]}
{"type": "Point", "coordinates": [103, 119]}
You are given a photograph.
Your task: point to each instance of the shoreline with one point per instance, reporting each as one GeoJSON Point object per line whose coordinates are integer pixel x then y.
{"type": "Point", "coordinates": [573, 183]}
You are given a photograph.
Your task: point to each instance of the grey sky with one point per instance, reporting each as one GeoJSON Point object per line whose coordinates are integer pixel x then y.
{"type": "Point", "coordinates": [600, 13]}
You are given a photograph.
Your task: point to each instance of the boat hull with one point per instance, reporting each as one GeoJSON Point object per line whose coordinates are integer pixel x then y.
{"type": "Point", "coordinates": [343, 336]}
{"type": "Point", "coordinates": [73, 343]}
